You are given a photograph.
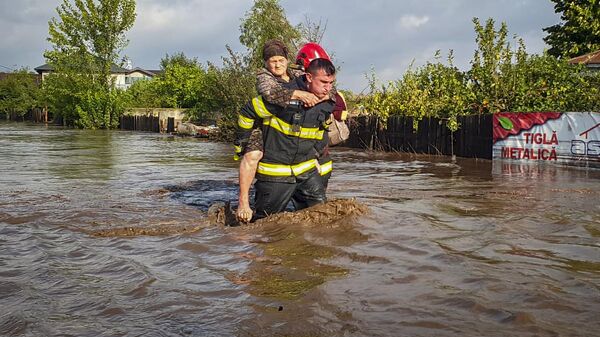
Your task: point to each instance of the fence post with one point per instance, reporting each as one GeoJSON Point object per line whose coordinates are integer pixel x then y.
{"type": "Point", "coordinates": [170, 125]}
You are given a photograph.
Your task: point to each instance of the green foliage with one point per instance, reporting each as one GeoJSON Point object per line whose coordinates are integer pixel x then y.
{"type": "Point", "coordinates": [97, 108]}
{"type": "Point", "coordinates": [501, 78]}
{"type": "Point", "coordinates": [266, 20]}
{"type": "Point", "coordinates": [207, 92]}
{"type": "Point", "coordinates": [87, 39]}
{"type": "Point", "coordinates": [228, 89]}
{"type": "Point", "coordinates": [88, 36]}
{"type": "Point", "coordinates": [434, 90]}
{"type": "Point", "coordinates": [579, 33]}
{"type": "Point", "coordinates": [83, 104]}
{"type": "Point", "coordinates": [181, 86]}
{"type": "Point", "coordinates": [144, 94]}
{"type": "Point", "coordinates": [178, 58]}
{"type": "Point", "coordinates": [19, 93]}
{"type": "Point", "coordinates": [491, 67]}
{"type": "Point", "coordinates": [214, 91]}
{"type": "Point", "coordinates": [551, 84]}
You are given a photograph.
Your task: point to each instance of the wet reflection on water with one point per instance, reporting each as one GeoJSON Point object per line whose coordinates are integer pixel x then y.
{"type": "Point", "coordinates": [446, 248]}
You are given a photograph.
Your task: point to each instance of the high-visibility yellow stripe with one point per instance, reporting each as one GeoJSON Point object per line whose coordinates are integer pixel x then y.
{"type": "Point", "coordinates": [311, 133]}
{"type": "Point", "coordinates": [285, 128]}
{"type": "Point", "coordinates": [280, 170]}
{"type": "Point", "coordinates": [327, 167]}
{"type": "Point", "coordinates": [237, 150]}
{"type": "Point", "coordinates": [344, 115]}
{"type": "Point", "coordinates": [245, 122]}
{"type": "Point", "coordinates": [260, 108]}
{"type": "Point", "coordinates": [281, 126]}
{"type": "Point", "coordinates": [274, 170]}
{"type": "Point", "coordinates": [306, 166]}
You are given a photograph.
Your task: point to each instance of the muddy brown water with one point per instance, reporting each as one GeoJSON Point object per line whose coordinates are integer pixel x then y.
{"type": "Point", "coordinates": [105, 233]}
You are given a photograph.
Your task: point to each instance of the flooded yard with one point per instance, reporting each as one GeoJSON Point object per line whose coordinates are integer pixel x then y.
{"type": "Point", "coordinates": [107, 233]}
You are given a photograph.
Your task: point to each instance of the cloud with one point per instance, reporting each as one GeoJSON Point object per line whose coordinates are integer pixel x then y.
{"type": "Point", "coordinates": [198, 28]}
{"type": "Point", "coordinates": [412, 21]}
{"type": "Point", "coordinates": [386, 35]}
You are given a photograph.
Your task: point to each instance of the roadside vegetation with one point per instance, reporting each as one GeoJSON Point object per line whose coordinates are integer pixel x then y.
{"type": "Point", "coordinates": [88, 37]}
{"type": "Point", "coordinates": [19, 93]}
{"type": "Point", "coordinates": [503, 77]}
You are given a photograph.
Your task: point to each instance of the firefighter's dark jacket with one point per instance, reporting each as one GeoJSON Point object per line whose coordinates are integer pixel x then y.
{"type": "Point", "coordinates": [293, 137]}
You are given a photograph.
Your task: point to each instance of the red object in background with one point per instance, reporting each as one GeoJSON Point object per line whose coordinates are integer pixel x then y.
{"type": "Point", "coordinates": [520, 121]}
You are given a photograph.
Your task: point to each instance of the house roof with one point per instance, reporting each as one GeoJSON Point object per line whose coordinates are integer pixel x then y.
{"type": "Point", "coordinates": [150, 73]}
{"type": "Point", "coordinates": [589, 59]}
{"type": "Point", "coordinates": [118, 70]}
{"type": "Point", "coordinates": [113, 69]}
{"type": "Point", "coordinates": [157, 72]}
{"type": "Point", "coordinates": [43, 67]}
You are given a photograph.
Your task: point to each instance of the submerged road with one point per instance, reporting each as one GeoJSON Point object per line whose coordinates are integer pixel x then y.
{"type": "Point", "coordinates": [105, 233]}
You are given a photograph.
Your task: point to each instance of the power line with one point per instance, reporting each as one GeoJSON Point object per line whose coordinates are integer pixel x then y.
{"type": "Point", "coordinates": [11, 69]}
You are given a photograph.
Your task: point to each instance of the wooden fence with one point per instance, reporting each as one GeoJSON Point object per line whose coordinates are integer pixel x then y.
{"type": "Point", "coordinates": [140, 123]}
{"type": "Point", "coordinates": [36, 115]}
{"type": "Point", "coordinates": [472, 140]}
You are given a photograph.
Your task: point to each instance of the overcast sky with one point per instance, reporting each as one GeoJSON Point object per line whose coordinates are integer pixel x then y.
{"type": "Point", "coordinates": [386, 35]}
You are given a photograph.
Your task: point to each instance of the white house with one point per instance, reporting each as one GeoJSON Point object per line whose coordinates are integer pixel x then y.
{"type": "Point", "coordinates": [124, 78]}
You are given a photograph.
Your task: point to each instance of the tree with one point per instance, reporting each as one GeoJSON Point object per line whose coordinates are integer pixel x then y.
{"type": "Point", "coordinates": [87, 38]}
{"type": "Point", "coordinates": [492, 72]}
{"type": "Point", "coordinates": [266, 20]}
{"type": "Point", "coordinates": [312, 31]}
{"type": "Point", "coordinates": [503, 77]}
{"type": "Point", "coordinates": [181, 85]}
{"type": "Point", "coordinates": [19, 92]}
{"type": "Point", "coordinates": [228, 88]}
{"type": "Point", "coordinates": [144, 94]}
{"type": "Point", "coordinates": [579, 33]}
{"type": "Point", "coordinates": [178, 58]}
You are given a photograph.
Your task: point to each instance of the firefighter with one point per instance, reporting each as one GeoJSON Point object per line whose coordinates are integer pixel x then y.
{"type": "Point", "coordinates": [293, 139]}
{"type": "Point", "coordinates": [309, 52]}
{"type": "Point", "coordinates": [272, 84]}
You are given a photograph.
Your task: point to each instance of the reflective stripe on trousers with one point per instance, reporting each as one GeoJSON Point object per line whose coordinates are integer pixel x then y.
{"type": "Point", "coordinates": [282, 170]}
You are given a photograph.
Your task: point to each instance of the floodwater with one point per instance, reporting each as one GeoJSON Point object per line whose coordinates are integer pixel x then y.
{"type": "Point", "coordinates": [106, 233]}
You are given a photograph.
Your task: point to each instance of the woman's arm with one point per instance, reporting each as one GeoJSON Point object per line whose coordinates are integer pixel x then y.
{"type": "Point", "coordinates": [273, 91]}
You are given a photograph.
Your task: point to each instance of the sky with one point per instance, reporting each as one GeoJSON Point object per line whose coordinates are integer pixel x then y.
{"type": "Point", "coordinates": [386, 36]}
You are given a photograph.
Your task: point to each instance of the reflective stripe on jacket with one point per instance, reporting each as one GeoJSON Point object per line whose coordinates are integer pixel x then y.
{"type": "Point", "coordinates": [326, 167]}
{"type": "Point", "coordinates": [292, 136]}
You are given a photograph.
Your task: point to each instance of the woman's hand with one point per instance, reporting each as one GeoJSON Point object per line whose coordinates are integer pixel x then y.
{"type": "Point", "coordinates": [306, 97]}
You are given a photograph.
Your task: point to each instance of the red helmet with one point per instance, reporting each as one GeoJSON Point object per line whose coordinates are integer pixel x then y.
{"type": "Point", "coordinates": [310, 51]}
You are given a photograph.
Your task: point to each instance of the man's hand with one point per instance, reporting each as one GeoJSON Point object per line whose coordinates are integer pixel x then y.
{"type": "Point", "coordinates": [244, 213]}
{"type": "Point", "coordinates": [309, 99]}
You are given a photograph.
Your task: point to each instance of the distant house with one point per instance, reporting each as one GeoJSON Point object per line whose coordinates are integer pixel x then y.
{"type": "Point", "coordinates": [124, 78]}
{"type": "Point", "coordinates": [590, 60]}
{"type": "Point", "coordinates": [37, 78]}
